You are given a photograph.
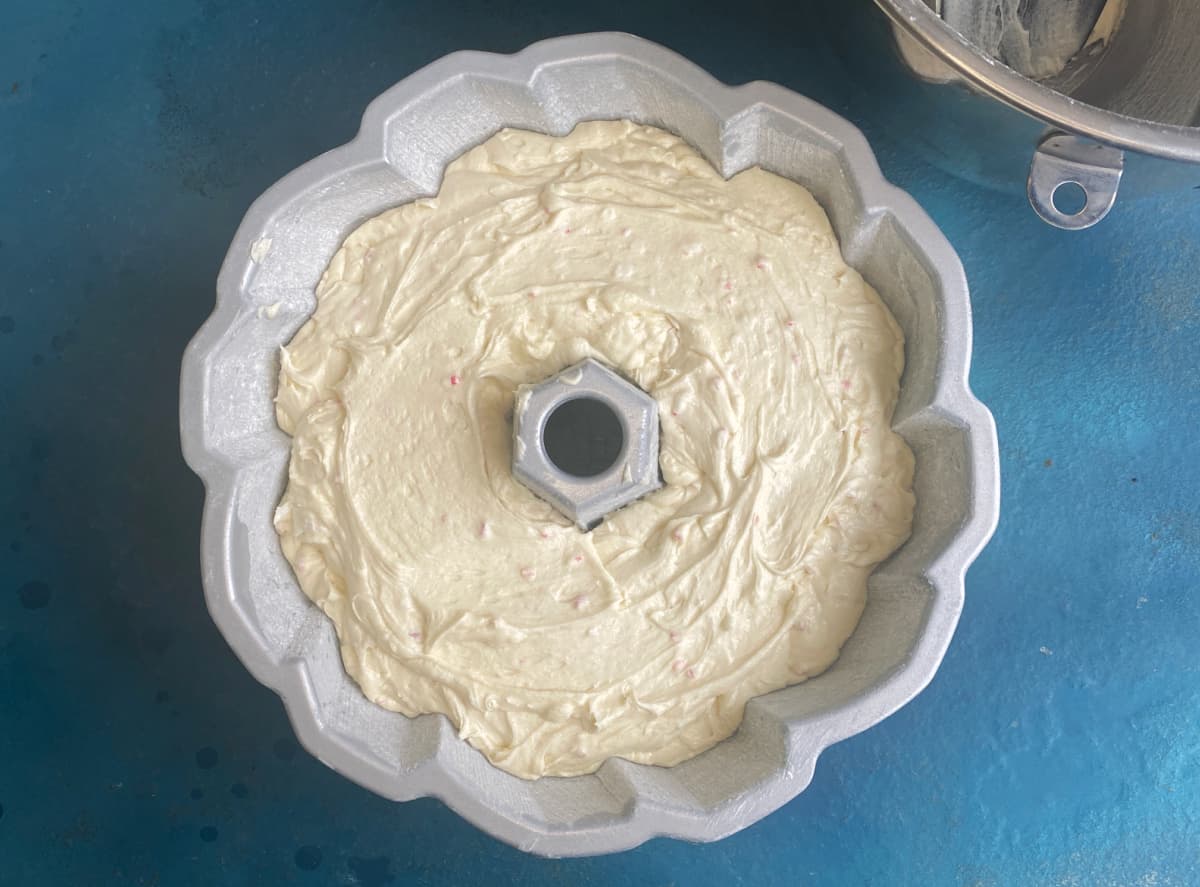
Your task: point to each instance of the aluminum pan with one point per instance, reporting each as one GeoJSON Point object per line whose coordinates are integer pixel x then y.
{"type": "Point", "coordinates": [265, 292]}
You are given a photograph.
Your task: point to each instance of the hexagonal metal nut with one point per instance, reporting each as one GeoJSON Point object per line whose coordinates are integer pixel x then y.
{"type": "Point", "coordinates": [635, 473]}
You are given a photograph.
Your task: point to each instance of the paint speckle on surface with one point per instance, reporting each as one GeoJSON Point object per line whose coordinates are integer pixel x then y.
{"type": "Point", "coordinates": [61, 341]}
{"type": "Point", "coordinates": [1048, 463]}
{"type": "Point", "coordinates": [1045, 651]}
{"type": "Point", "coordinates": [284, 749]}
{"type": "Point", "coordinates": [156, 640]}
{"type": "Point", "coordinates": [34, 595]}
{"type": "Point", "coordinates": [207, 758]}
{"type": "Point", "coordinates": [308, 858]}
{"type": "Point", "coordinates": [372, 871]}
{"type": "Point", "coordinates": [208, 834]}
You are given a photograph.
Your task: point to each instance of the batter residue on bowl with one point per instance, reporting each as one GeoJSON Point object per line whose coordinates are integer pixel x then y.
{"type": "Point", "coordinates": [453, 588]}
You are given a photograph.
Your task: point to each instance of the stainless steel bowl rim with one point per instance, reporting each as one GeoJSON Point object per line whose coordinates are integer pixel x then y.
{"type": "Point", "coordinates": [804, 740]}
{"type": "Point", "coordinates": [1167, 141]}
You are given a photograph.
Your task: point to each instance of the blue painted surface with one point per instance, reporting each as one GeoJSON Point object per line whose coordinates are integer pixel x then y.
{"type": "Point", "coordinates": [1060, 742]}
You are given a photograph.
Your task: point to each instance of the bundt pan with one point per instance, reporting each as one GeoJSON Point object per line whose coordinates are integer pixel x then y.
{"type": "Point", "coordinates": [265, 291]}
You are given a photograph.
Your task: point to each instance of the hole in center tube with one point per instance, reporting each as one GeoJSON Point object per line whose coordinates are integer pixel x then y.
{"type": "Point", "coordinates": [1069, 198]}
{"type": "Point", "coordinates": [583, 437]}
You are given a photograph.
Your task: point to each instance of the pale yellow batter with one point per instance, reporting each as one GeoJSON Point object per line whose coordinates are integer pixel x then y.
{"type": "Point", "coordinates": [453, 588]}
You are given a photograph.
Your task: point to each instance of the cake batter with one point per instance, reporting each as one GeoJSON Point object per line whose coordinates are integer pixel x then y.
{"type": "Point", "coordinates": [453, 588]}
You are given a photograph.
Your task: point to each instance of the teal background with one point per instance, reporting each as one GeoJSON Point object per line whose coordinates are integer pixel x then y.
{"type": "Point", "coordinates": [1060, 742]}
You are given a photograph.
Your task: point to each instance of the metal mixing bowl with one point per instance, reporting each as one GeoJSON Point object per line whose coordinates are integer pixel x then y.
{"type": "Point", "coordinates": [265, 292]}
{"type": "Point", "coordinates": [1090, 132]}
